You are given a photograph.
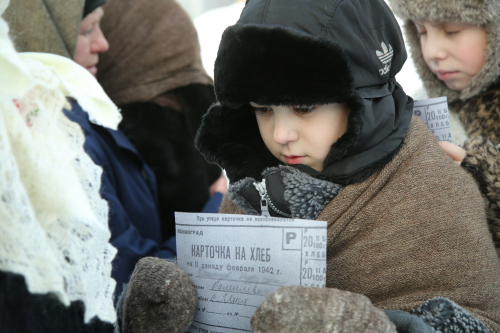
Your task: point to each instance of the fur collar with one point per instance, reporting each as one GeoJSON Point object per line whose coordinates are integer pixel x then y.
{"type": "Point", "coordinates": [480, 114]}
{"type": "Point", "coordinates": [292, 191]}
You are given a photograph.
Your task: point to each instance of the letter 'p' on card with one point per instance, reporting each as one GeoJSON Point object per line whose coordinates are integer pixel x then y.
{"type": "Point", "coordinates": [292, 239]}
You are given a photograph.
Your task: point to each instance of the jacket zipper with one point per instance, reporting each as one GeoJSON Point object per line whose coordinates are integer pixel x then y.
{"type": "Point", "coordinates": [261, 187]}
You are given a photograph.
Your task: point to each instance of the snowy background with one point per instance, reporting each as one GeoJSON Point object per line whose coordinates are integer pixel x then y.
{"type": "Point", "coordinates": [211, 17]}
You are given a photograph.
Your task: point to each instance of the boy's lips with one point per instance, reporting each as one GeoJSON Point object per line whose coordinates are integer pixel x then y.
{"type": "Point", "coordinates": [445, 75]}
{"type": "Point", "coordinates": [294, 159]}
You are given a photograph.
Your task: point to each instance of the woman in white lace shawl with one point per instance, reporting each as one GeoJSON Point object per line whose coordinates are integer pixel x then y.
{"type": "Point", "coordinates": [55, 258]}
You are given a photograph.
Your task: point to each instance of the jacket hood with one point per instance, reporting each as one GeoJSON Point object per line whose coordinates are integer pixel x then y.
{"type": "Point", "coordinates": [50, 26]}
{"type": "Point", "coordinates": [309, 53]}
{"type": "Point", "coordinates": [477, 12]}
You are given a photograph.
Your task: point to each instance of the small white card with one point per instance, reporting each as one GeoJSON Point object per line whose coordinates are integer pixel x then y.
{"type": "Point", "coordinates": [434, 113]}
{"type": "Point", "coordinates": [235, 261]}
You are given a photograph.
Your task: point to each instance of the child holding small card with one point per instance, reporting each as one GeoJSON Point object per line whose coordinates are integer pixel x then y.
{"type": "Point", "coordinates": [312, 124]}
{"type": "Point", "coordinates": [456, 49]}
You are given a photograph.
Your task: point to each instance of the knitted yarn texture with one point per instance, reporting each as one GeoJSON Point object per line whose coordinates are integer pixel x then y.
{"type": "Point", "coordinates": [306, 196]}
{"type": "Point", "coordinates": [295, 309]}
{"type": "Point", "coordinates": [160, 297]}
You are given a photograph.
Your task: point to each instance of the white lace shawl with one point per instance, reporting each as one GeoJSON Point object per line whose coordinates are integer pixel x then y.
{"type": "Point", "coordinates": [53, 222]}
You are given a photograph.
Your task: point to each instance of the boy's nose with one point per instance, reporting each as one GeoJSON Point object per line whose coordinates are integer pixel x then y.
{"type": "Point", "coordinates": [285, 128]}
{"type": "Point", "coordinates": [433, 48]}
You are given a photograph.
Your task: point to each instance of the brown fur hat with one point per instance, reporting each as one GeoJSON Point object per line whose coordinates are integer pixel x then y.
{"type": "Point", "coordinates": [477, 12]}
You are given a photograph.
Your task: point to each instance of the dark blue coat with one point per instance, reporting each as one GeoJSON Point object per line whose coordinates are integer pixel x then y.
{"type": "Point", "coordinates": [129, 186]}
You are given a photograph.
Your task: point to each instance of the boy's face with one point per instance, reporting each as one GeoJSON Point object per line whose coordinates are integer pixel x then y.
{"type": "Point", "coordinates": [297, 135]}
{"type": "Point", "coordinates": [455, 52]}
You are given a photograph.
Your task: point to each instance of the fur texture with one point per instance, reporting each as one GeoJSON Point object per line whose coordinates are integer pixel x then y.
{"type": "Point", "coordinates": [480, 115]}
{"type": "Point", "coordinates": [446, 316]}
{"type": "Point", "coordinates": [482, 162]}
{"type": "Point", "coordinates": [320, 72]}
{"type": "Point", "coordinates": [477, 12]}
{"type": "Point", "coordinates": [231, 138]}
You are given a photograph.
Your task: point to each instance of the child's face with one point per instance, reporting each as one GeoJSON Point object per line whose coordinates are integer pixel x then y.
{"type": "Point", "coordinates": [296, 135]}
{"type": "Point", "coordinates": [455, 52]}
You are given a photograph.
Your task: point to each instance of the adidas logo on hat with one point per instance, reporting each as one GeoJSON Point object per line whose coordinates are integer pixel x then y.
{"type": "Point", "coordinates": [385, 57]}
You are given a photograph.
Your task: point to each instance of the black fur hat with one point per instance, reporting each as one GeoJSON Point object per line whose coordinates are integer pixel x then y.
{"type": "Point", "coordinates": [301, 52]}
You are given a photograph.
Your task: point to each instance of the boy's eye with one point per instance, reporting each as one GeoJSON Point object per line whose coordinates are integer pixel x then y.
{"type": "Point", "coordinates": [420, 28]}
{"type": "Point", "coordinates": [421, 33]}
{"type": "Point", "coordinates": [263, 110]}
{"type": "Point", "coordinates": [305, 110]}
{"type": "Point", "coordinates": [453, 28]}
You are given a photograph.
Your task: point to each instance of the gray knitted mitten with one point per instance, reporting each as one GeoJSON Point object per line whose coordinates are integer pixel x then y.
{"type": "Point", "coordinates": [160, 297]}
{"type": "Point", "coordinates": [295, 309]}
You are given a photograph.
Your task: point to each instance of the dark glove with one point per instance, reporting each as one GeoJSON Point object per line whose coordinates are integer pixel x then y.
{"type": "Point", "coordinates": [407, 323]}
{"type": "Point", "coordinates": [160, 297]}
{"type": "Point", "coordinates": [295, 309]}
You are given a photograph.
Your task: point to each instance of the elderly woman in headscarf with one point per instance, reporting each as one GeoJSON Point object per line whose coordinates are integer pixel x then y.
{"type": "Point", "coordinates": [128, 184]}
{"type": "Point", "coordinates": [153, 73]}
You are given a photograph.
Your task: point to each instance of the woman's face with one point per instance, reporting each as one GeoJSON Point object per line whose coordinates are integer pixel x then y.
{"type": "Point", "coordinates": [455, 52]}
{"type": "Point", "coordinates": [297, 135]}
{"type": "Point", "coordinates": [91, 41]}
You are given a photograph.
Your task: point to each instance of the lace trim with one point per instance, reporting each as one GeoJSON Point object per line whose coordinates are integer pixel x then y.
{"type": "Point", "coordinates": [53, 222]}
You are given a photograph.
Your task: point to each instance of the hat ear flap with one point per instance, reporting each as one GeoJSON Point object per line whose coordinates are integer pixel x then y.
{"type": "Point", "coordinates": [231, 138]}
{"type": "Point", "coordinates": [351, 136]}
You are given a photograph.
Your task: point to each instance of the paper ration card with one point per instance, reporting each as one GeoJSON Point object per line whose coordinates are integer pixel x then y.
{"type": "Point", "coordinates": [434, 113]}
{"type": "Point", "coordinates": [235, 261]}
